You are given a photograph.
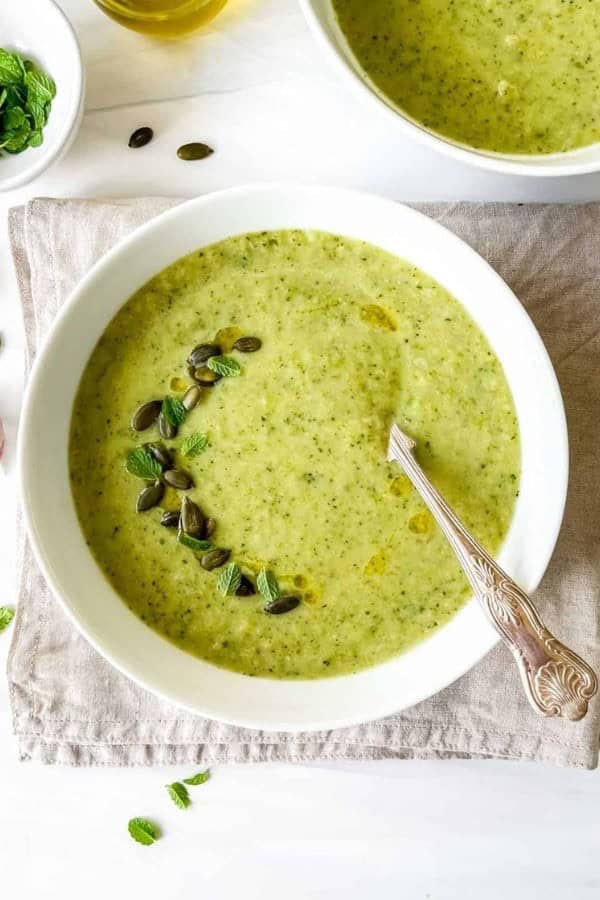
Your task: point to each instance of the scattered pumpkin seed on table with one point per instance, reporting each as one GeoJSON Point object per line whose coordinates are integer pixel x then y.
{"type": "Point", "coordinates": [194, 151]}
{"type": "Point", "coordinates": [140, 137]}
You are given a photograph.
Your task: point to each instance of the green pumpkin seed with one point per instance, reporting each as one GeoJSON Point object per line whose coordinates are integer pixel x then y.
{"type": "Point", "coordinates": [213, 559]}
{"type": "Point", "coordinates": [192, 519]}
{"type": "Point", "coordinates": [191, 398]}
{"type": "Point", "coordinates": [140, 137]}
{"type": "Point", "coordinates": [201, 353]}
{"type": "Point", "coordinates": [177, 479]}
{"type": "Point", "coordinates": [145, 415]}
{"type": "Point", "coordinates": [248, 344]}
{"type": "Point", "coordinates": [205, 376]}
{"type": "Point", "coordinates": [282, 605]}
{"type": "Point", "coordinates": [150, 496]}
{"type": "Point", "coordinates": [166, 429]}
{"type": "Point", "coordinates": [160, 454]}
{"type": "Point", "coordinates": [246, 588]}
{"type": "Point", "coordinates": [194, 151]}
{"type": "Point", "coordinates": [170, 519]}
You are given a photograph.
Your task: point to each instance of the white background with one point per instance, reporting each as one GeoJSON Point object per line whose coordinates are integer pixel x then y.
{"type": "Point", "coordinates": [256, 88]}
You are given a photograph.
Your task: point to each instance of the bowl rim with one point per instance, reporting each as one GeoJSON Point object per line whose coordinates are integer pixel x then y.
{"type": "Point", "coordinates": [71, 121]}
{"type": "Point", "coordinates": [505, 164]}
{"type": "Point", "coordinates": [486, 637]}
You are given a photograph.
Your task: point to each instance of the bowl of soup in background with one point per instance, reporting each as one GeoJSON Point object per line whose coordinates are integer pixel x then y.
{"type": "Point", "coordinates": [97, 609]}
{"type": "Point", "coordinates": [325, 25]}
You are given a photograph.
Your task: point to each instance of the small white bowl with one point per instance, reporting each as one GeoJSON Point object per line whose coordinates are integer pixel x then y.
{"type": "Point", "coordinates": [322, 20]}
{"type": "Point", "coordinates": [40, 31]}
{"type": "Point", "coordinates": [75, 577]}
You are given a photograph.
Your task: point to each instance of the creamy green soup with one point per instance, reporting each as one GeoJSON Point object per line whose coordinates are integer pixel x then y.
{"type": "Point", "coordinates": [495, 74]}
{"type": "Point", "coordinates": [295, 471]}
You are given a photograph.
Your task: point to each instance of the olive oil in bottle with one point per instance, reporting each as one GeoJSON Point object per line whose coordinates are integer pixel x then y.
{"type": "Point", "coordinates": [162, 18]}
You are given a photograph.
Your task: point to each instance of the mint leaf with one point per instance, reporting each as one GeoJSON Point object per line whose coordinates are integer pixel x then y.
{"type": "Point", "coordinates": [194, 444]}
{"type": "Point", "coordinates": [11, 69]}
{"type": "Point", "coordinates": [143, 831]}
{"type": "Point", "coordinates": [193, 543]}
{"type": "Point", "coordinates": [142, 464]}
{"type": "Point", "coordinates": [13, 118]}
{"type": "Point", "coordinates": [39, 85]}
{"type": "Point", "coordinates": [267, 584]}
{"type": "Point", "coordinates": [199, 778]}
{"type": "Point", "coordinates": [173, 410]}
{"type": "Point", "coordinates": [6, 616]}
{"type": "Point", "coordinates": [179, 794]}
{"type": "Point", "coordinates": [229, 580]}
{"type": "Point", "coordinates": [36, 139]}
{"type": "Point", "coordinates": [224, 365]}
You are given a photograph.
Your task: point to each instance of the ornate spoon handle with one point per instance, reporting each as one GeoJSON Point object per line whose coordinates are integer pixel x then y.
{"type": "Point", "coordinates": [557, 681]}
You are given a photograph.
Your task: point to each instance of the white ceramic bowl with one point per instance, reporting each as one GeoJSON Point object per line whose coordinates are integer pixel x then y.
{"type": "Point", "coordinates": [50, 514]}
{"type": "Point", "coordinates": [39, 30]}
{"type": "Point", "coordinates": [322, 21]}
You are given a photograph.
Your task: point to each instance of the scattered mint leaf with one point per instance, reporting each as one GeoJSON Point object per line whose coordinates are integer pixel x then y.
{"type": "Point", "coordinates": [143, 831]}
{"type": "Point", "coordinates": [224, 365]}
{"type": "Point", "coordinates": [199, 778]}
{"type": "Point", "coordinates": [142, 464]}
{"type": "Point", "coordinates": [193, 543]}
{"type": "Point", "coordinates": [13, 118]}
{"type": "Point", "coordinates": [6, 616]}
{"type": "Point", "coordinates": [230, 579]}
{"type": "Point", "coordinates": [267, 584]}
{"type": "Point", "coordinates": [173, 410]}
{"type": "Point", "coordinates": [194, 444]}
{"type": "Point", "coordinates": [179, 794]}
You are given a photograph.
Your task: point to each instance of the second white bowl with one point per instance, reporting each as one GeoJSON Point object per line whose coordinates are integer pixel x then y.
{"type": "Point", "coordinates": [321, 18]}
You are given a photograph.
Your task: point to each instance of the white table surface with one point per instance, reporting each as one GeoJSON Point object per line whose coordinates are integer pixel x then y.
{"type": "Point", "coordinates": [257, 89]}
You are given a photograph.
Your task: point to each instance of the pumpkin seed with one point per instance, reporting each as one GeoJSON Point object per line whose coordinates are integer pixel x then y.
{"type": "Point", "coordinates": [160, 454]}
{"type": "Point", "coordinates": [248, 344]}
{"type": "Point", "coordinates": [166, 429]}
{"type": "Point", "coordinates": [191, 518]}
{"type": "Point", "coordinates": [145, 415]}
{"type": "Point", "coordinates": [140, 137]}
{"type": "Point", "coordinates": [282, 605]}
{"type": "Point", "coordinates": [246, 588]}
{"type": "Point", "coordinates": [201, 353]}
{"type": "Point", "coordinates": [194, 151]}
{"type": "Point", "coordinates": [191, 398]}
{"type": "Point", "coordinates": [177, 479]}
{"type": "Point", "coordinates": [170, 519]}
{"type": "Point", "coordinates": [150, 496]}
{"type": "Point", "coordinates": [213, 559]}
{"type": "Point", "coordinates": [210, 527]}
{"type": "Point", "coordinates": [205, 376]}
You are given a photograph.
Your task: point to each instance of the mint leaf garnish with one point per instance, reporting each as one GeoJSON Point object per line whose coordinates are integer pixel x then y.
{"type": "Point", "coordinates": [199, 778]}
{"type": "Point", "coordinates": [194, 444]}
{"type": "Point", "coordinates": [6, 616]}
{"type": "Point", "coordinates": [193, 543]}
{"type": "Point", "coordinates": [230, 579]}
{"type": "Point", "coordinates": [26, 93]}
{"type": "Point", "coordinates": [142, 464]}
{"type": "Point", "coordinates": [267, 584]}
{"type": "Point", "coordinates": [143, 831]}
{"type": "Point", "coordinates": [224, 365]}
{"type": "Point", "coordinates": [179, 794]}
{"type": "Point", "coordinates": [173, 410]}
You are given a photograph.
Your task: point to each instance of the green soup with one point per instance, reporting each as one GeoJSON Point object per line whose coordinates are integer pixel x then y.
{"type": "Point", "coordinates": [510, 77]}
{"type": "Point", "coordinates": [295, 472]}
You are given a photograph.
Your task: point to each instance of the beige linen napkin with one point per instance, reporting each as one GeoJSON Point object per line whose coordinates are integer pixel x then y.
{"type": "Point", "coordinates": [70, 706]}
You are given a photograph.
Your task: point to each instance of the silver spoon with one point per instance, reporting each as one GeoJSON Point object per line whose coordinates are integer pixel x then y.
{"type": "Point", "coordinates": [557, 681]}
